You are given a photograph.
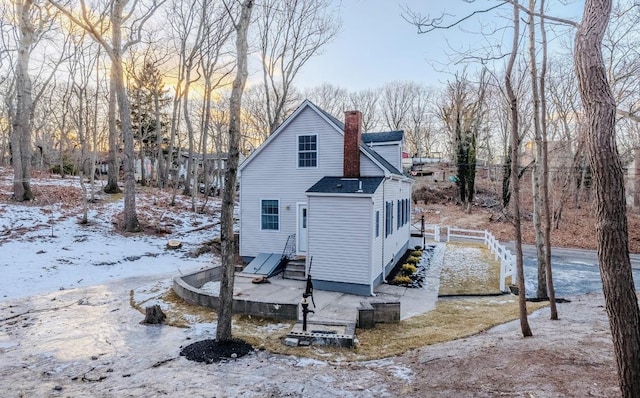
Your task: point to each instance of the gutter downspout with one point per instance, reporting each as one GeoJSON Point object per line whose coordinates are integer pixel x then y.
{"type": "Point", "coordinates": [384, 239]}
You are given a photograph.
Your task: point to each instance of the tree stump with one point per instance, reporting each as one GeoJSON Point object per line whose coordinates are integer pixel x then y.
{"type": "Point", "coordinates": [174, 244]}
{"type": "Point", "coordinates": [154, 315]}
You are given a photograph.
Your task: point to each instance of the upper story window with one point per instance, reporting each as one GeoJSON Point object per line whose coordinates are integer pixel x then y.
{"type": "Point", "coordinates": [307, 150]}
{"type": "Point", "coordinates": [270, 214]}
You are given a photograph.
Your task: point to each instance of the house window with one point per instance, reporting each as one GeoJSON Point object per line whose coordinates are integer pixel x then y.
{"type": "Point", "coordinates": [377, 223]}
{"type": "Point", "coordinates": [404, 211]}
{"type": "Point", "coordinates": [388, 221]}
{"type": "Point", "coordinates": [307, 150]}
{"type": "Point", "coordinates": [399, 214]}
{"type": "Point", "coordinates": [407, 210]}
{"type": "Point", "coordinates": [270, 215]}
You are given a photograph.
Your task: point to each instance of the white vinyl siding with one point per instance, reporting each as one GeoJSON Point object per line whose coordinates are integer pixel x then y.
{"type": "Point", "coordinates": [340, 238]}
{"type": "Point", "coordinates": [391, 152]}
{"type": "Point", "coordinates": [368, 168]}
{"type": "Point", "coordinates": [394, 191]}
{"type": "Point", "coordinates": [273, 173]}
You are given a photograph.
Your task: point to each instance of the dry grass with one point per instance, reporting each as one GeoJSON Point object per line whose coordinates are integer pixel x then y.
{"type": "Point", "coordinates": [469, 269]}
{"type": "Point", "coordinates": [451, 319]}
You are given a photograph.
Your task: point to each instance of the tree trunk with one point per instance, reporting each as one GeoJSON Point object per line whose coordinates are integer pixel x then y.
{"type": "Point", "coordinates": [223, 332]}
{"type": "Point", "coordinates": [130, 216]}
{"type": "Point", "coordinates": [143, 176]}
{"type": "Point", "coordinates": [515, 181]}
{"type": "Point", "coordinates": [21, 134]}
{"type": "Point", "coordinates": [608, 179]}
{"type": "Point", "coordinates": [82, 136]}
{"type": "Point", "coordinates": [541, 291]}
{"type": "Point", "coordinates": [175, 117]}
{"type": "Point", "coordinates": [113, 168]}
{"type": "Point", "coordinates": [190, 133]}
{"type": "Point", "coordinates": [545, 171]}
{"type": "Point", "coordinates": [160, 180]}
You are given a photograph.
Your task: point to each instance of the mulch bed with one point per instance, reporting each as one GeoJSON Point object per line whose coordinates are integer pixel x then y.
{"type": "Point", "coordinates": [211, 351]}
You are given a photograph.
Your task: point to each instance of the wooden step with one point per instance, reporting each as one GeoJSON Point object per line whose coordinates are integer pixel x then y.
{"type": "Point", "coordinates": [295, 269]}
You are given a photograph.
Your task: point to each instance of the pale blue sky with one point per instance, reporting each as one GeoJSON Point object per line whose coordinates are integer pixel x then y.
{"type": "Point", "coordinates": [376, 45]}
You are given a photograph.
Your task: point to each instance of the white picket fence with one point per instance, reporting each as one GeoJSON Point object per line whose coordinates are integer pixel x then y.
{"type": "Point", "coordinates": [501, 253]}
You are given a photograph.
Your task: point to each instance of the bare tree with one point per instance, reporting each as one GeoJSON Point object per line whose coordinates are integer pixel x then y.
{"type": "Point", "coordinates": [545, 171]}
{"type": "Point", "coordinates": [366, 101]}
{"type": "Point", "coordinates": [30, 20]}
{"type": "Point", "coordinates": [395, 104]}
{"type": "Point", "coordinates": [290, 32]}
{"type": "Point", "coordinates": [463, 116]}
{"type": "Point", "coordinates": [611, 225]}
{"type": "Point", "coordinates": [215, 70]}
{"type": "Point", "coordinates": [330, 98]}
{"type": "Point", "coordinates": [419, 125]}
{"type": "Point", "coordinates": [515, 181]}
{"type": "Point", "coordinates": [223, 330]}
{"type": "Point", "coordinates": [255, 107]}
{"type": "Point", "coordinates": [537, 175]}
{"type": "Point", "coordinates": [120, 13]}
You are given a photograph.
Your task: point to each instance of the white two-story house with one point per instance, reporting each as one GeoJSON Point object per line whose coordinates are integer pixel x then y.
{"type": "Point", "coordinates": [340, 192]}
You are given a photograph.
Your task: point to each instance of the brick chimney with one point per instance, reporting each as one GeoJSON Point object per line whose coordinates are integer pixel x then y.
{"type": "Point", "coordinates": [352, 138]}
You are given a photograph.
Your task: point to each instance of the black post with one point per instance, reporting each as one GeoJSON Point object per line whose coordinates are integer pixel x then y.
{"type": "Point", "coordinates": [305, 311]}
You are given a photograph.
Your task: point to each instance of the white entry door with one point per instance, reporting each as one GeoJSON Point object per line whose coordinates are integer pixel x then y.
{"type": "Point", "coordinates": [302, 228]}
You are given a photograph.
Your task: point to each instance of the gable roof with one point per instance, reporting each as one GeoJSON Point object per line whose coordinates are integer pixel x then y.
{"type": "Point", "coordinates": [385, 136]}
{"type": "Point", "coordinates": [339, 127]}
{"type": "Point", "coordinates": [342, 185]}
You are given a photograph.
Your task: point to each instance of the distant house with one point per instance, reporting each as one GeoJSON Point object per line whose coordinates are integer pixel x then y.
{"type": "Point", "coordinates": [337, 193]}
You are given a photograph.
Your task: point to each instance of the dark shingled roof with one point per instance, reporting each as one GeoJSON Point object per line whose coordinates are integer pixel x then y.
{"type": "Point", "coordinates": [385, 136]}
{"type": "Point", "coordinates": [346, 185]}
{"type": "Point", "coordinates": [330, 117]}
{"type": "Point", "coordinates": [390, 136]}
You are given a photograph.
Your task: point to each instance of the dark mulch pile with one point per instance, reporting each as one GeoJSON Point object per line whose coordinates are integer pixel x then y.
{"type": "Point", "coordinates": [210, 351]}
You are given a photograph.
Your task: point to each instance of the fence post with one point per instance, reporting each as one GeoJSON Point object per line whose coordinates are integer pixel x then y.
{"type": "Point", "coordinates": [502, 275]}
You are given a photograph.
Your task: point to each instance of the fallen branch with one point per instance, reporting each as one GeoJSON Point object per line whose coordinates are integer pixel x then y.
{"type": "Point", "coordinates": [38, 310]}
{"type": "Point", "coordinates": [160, 363]}
{"type": "Point", "coordinates": [202, 227]}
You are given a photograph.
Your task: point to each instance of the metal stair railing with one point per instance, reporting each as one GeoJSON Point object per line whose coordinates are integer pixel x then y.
{"type": "Point", "coordinates": [288, 252]}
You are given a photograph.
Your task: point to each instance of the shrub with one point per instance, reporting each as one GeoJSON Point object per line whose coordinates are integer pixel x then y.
{"type": "Point", "coordinates": [401, 279]}
{"type": "Point", "coordinates": [69, 168]}
{"type": "Point", "coordinates": [418, 247]}
{"type": "Point", "coordinates": [416, 253]}
{"type": "Point", "coordinates": [413, 260]}
{"type": "Point", "coordinates": [409, 269]}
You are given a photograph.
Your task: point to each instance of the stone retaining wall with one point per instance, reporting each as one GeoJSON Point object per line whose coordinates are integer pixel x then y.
{"type": "Point", "coordinates": [372, 312]}
{"type": "Point", "coordinates": [188, 288]}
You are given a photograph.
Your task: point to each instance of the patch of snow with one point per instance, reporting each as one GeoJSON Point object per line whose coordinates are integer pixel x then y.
{"type": "Point", "coordinates": [211, 287]}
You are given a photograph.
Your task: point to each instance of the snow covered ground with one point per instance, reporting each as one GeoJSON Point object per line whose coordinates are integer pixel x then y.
{"type": "Point", "coordinates": [43, 248]}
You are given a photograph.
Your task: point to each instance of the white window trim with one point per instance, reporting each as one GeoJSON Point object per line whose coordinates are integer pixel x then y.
{"type": "Point", "coordinates": [260, 215]}
{"type": "Point", "coordinates": [298, 151]}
